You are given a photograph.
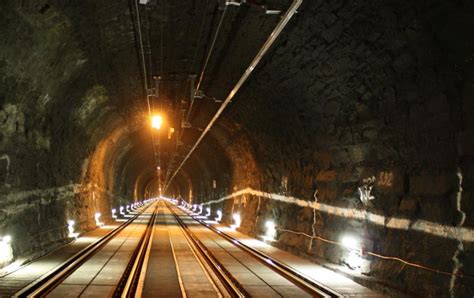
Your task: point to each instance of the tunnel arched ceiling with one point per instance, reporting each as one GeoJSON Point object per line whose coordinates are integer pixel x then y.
{"type": "Point", "coordinates": [102, 89]}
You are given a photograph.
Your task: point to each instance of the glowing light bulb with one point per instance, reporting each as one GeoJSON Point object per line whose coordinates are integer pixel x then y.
{"type": "Point", "coordinates": [97, 219]}
{"type": "Point", "coordinates": [156, 121]}
{"type": "Point", "coordinates": [70, 228]}
{"type": "Point", "coordinates": [270, 230]}
{"type": "Point", "coordinates": [6, 251]}
{"type": "Point", "coordinates": [350, 242]}
{"type": "Point", "coordinates": [237, 221]}
{"type": "Point", "coordinates": [7, 239]}
{"type": "Point", "coordinates": [352, 256]}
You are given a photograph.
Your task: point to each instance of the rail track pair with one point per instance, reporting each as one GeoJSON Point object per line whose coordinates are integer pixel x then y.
{"type": "Point", "coordinates": [131, 279]}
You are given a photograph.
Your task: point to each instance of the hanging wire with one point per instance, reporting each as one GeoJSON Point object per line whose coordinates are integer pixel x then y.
{"type": "Point", "coordinates": [201, 77]}
{"type": "Point", "coordinates": [142, 55]}
{"type": "Point", "coordinates": [208, 57]}
{"type": "Point", "coordinates": [201, 31]}
{"type": "Point", "coordinates": [405, 262]}
{"type": "Point", "coordinates": [160, 98]}
{"type": "Point", "coordinates": [148, 42]}
{"type": "Point", "coordinates": [161, 38]}
{"type": "Point", "coordinates": [145, 76]}
{"type": "Point", "coordinates": [263, 50]}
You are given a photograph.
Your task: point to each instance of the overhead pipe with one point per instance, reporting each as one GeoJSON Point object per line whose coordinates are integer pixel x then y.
{"type": "Point", "coordinates": [266, 46]}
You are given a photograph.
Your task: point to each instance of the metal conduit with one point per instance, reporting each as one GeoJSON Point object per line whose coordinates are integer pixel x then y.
{"type": "Point", "coordinates": [271, 39]}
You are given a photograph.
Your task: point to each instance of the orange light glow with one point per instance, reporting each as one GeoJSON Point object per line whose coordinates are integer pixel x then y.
{"type": "Point", "coordinates": [156, 121]}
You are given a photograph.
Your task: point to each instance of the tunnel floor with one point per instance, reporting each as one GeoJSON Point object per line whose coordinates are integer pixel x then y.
{"type": "Point", "coordinates": [161, 250]}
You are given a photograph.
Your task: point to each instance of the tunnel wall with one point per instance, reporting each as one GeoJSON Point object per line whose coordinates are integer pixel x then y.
{"type": "Point", "coordinates": [59, 143]}
{"type": "Point", "coordinates": [363, 128]}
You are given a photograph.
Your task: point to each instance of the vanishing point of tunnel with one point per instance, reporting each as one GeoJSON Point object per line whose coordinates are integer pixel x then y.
{"type": "Point", "coordinates": [236, 148]}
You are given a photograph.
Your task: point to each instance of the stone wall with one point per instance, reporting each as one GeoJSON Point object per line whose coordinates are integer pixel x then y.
{"type": "Point", "coordinates": [375, 95]}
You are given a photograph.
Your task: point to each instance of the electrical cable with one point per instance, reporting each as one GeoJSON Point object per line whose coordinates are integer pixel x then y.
{"type": "Point", "coordinates": [211, 49]}
{"type": "Point", "coordinates": [145, 77]}
{"type": "Point", "coordinates": [201, 76]}
{"type": "Point", "coordinates": [263, 50]}
{"type": "Point", "coordinates": [201, 31]}
{"type": "Point", "coordinates": [379, 255]}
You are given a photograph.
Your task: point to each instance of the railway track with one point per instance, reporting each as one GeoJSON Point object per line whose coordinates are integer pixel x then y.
{"type": "Point", "coordinates": [233, 287]}
{"type": "Point", "coordinates": [309, 286]}
{"type": "Point", "coordinates": [43, 286]}
{"type": "Point", "coordinates": [164, 252]}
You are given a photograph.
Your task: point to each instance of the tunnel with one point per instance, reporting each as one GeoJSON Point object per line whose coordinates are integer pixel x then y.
{"type": "Point", "coordinates": [337, 132]}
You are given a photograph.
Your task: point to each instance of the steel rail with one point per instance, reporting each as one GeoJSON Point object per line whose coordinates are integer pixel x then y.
{"type": "Point", "coordinates": [287, 271]}
{"type": "Point", "coordinates": [234, 288]}
{"type": "Point", "coordinates": [266, 46]}
{"type": "Point", "coordinates": [48, 282]}
{"type": "Point", "coordinates": [128, 283]}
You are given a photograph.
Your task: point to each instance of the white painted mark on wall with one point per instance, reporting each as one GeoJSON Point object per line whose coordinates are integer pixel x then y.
{"type": "Point", "coordinates": [460, 246]}
{"type": "Point", "coordinates": [424, 226]}
{"type": "Point", "coordinates": [365, 189]}
{"type": "Point", "coordinates": [313, 226]}
{"type": "Point", "coordinates": [7, 167]}
{"type": "Point", "coordinates": [284, 183]}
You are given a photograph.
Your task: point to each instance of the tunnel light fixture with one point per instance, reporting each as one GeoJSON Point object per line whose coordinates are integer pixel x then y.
{"type": "Point", "coordinates": [237, 221]}
{"type": "Point", "coordinates": [352, 257]}
{"type": "Point", "coordinates": [71, 230]}
{"type": "Point", "coordinates": [353, 260]}
{"type": "Point", "coordinates": [156, 121]}
{"type": "Point", "coordinates": [113, 213]}
{"type": "Point", "coordinates": [351, 242]}
{"type": "Point", "coordinates": [200, 209]}
{"type": "Point", "coordinates": [97, 219]}
{"type": "Point", "coordinates": [121, 210]}
{"type": "Point", "coordinates": [127, 208]}
{"type": "Point", "coordinates": [194, 207]}
{"type": "Point", "coordinates": [270, 231]}
{"type": "Point", "coordinates": [208, 210]}
{"type": "Point", "coordinates": [170, 132]}
{"type": "Point", "coordinates": [6, 251]}
{"type": "Point", "coordinates": [219, 215]}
